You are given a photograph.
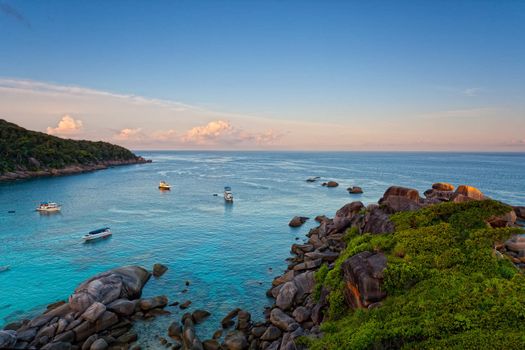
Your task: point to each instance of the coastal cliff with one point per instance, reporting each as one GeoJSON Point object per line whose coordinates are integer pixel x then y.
{"type": "Point", "coordinates": [26, 154]}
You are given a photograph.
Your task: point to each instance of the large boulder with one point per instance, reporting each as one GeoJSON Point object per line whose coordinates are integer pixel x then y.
{"type": "Point", "coordinates": [465, 193]}
{"type": "Point", "coordinates": [305, 283]}
{"type": "Point", "coordinates": [124, 282]}
{"type": "Point", "coordinates": [376, 220]}
{"type": "Point", "coordinates": [122, 307]}
{"type": "Point", "coordinates": [442, 186]}
{"type": "Point", "coordinates": [398, 198]}
{"type": "Point", "coordinates": [7, 339]}
{"type": "Point", "coordinates": [281, 320]}
{"type": "Point", "coordinates": [363, 275]}
{"type": "Point", "coordinates": [94, 311]}
{"type": "Point", "coordinates": [235, 340]}
{"type": "Point", "coordinates": [286, 295]}
{"type": "Point", "coordinates": [520, 212]}
{"type": "Point", "coordinates": [441, 196]}
{"type": "Point", "coordinates": [343, 217]}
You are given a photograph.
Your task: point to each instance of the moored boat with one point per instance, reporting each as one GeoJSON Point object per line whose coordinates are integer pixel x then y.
{"type": "Point", "coordinates": [228, 195]}
{"type": "Point", "coordinates": [164, 185]}
{"type": "Point", "coordinates": [48, 207]}
{"type": "Point", "coordinates": [97, 234]}
{"type": "Point", "coordinates": [4, 268]}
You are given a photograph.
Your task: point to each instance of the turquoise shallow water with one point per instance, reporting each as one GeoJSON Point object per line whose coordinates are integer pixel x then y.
{"type": "Point", "coordinates": [224, 250]}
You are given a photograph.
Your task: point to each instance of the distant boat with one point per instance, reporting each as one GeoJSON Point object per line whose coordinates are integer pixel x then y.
{"type": "Point", "coordinates": [48, 207]}
{"type": "Point", "coordinates": [164, 185]}
{"type": "Point", "coordinates": [4, 268]}
{"type": "Point", "coordinates": [97, 234]}
{"type": "Point", "coordinates": [228, 195]}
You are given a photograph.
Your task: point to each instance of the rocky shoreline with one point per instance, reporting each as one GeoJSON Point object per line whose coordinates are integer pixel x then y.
{"type": "Point", "coordinates": [69, 170]}
{"type": "Point", "coordinates": [100, 313]}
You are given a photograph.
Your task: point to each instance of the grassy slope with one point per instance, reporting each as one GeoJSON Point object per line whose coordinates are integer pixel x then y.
{"type": "Point", "coordinates": [447, 288]}
{"type": "Point", "coordinates": [18, 145]}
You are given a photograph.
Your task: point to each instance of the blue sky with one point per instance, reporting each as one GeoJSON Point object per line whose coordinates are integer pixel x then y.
{"type": "Point", "coordinates": [336, 62]}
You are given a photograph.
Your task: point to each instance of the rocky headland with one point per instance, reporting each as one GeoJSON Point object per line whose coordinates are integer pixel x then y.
{"type": "Point", "coordinates": [342, 266]}
{"type": "Point", "coordinates": [26, 154]}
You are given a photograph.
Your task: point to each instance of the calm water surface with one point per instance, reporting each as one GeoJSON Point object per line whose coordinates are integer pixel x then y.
{"type": "Point", "coordinates": [226, 251]}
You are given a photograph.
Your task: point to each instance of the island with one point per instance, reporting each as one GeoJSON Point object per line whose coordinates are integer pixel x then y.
{"type": "Point", "coordinates": [26, 154]}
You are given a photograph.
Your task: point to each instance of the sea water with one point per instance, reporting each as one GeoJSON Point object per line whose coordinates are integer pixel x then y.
{"type": "Point", "coordinates": [228, 252]}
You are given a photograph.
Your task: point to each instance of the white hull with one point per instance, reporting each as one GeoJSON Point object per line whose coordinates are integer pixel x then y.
{"type": "Point", "coordinates": [97, 236]}
{"type": "Point", "coordinates": [48, 210]}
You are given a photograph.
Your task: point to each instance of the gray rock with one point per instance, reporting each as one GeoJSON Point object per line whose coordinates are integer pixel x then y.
{"type": "Point", "coordinates": [297, 221]}
{"type": "Point", "coordinates": [90, 340]}
{"type": "Point", "coordinates": [308, 265]}
{"type": "Point", "coordinates": [94, 311]}
{"type": "Point", "coordinates": [124, 282]}
{"type": "Point", "coordinates": [271, 333]}
{"type": "Point", "coordinates": [363, 272]}
{"type": "Point", "coordinates": [244, 320]}
{"type": "Point", "coordinates": [152, 303]}
{"type": "Point", "coordinates": [84, 330]}
{"type": "Point", "coordinates": [7, 339]}
{"type": "Point", "coordinates": [227, 321]}
{"type": "Point", "coordinates": [305, 283]}
{"type": "Point", "coordinates": [57, 346]}
{"type": "Point", "coordinates": [175, 330]}
{"type": "Point", "coordinates": [99, 344]}
{"type": "Point", "coordinates": [107, 320]}
{"type": "Point", "coordinates": [283, 321]}
{"type": "Point", "coordinates": [301, 314]}
{"type": "Point", "coordinates": [123, 307]}
{"type": "Point", "coordinates": [199, 315]}
{"type": "Point", "coordinates": [26, 335]}
{"type": "Point", "coordinates": [211, 344]}
{"type": "Point", "coordinates": [286, 295]}
{"type": "Point", "coordinates": [258, 331]}
{"type": "Point", "coordinates": [235, 340]}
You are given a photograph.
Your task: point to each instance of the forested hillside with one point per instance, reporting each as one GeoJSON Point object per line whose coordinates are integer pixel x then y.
{"type": "Point", "coordinates": [22, 149]}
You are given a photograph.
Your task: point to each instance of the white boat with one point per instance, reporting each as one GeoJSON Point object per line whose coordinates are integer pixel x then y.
{"type": "Point", "coordinates": [228, 195]}
{"type": "Point", "coordinates": [97, 234]}
{"type": "Point", "coordinates": [164, 185]}
{"type": "Point", "coordinates": [4, 268]}
{"type": "Point", "coordinates": [48, 207]}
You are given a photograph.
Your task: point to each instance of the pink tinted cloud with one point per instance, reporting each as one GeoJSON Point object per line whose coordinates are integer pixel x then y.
{"type": "Point", "coordinates": [129, 134]}
{"type": "Point", "coordinates": [66, 126]}
{"type": "Point", "coordinates": [209, 132]}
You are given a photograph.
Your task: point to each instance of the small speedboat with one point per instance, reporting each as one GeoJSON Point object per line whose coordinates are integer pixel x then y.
{"type": "Point", "coordinates": [228, 195]}
{"type": "Point", "coordinates": [97, 234]}
{"type": "Point", "coordinates": [4, 268]}
{"type": "Point", "coordinates": [48, 207]}
{"type": "Point", "coordinates": [164, 186]}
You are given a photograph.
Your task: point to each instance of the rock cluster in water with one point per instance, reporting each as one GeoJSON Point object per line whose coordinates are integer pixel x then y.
{"type": "Point", "coordinates": [98, 315]}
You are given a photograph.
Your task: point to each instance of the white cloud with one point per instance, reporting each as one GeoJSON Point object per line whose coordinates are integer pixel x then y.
{"type": "Point", "coordinates": [66, 126]}
{"type": "Point", "coordinates": [209, 132]}
{"type": "Point", "coordinates": [471, 92]}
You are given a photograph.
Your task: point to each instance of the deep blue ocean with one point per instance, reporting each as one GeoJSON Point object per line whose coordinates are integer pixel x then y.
{"type": "Point", "coordinates": [230, 253]}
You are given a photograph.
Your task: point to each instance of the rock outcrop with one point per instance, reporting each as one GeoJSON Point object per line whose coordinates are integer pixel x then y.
{"type": "Point", "coordinates": [98, 314]}
{"type": "Point", "coordinates": [297, 221]}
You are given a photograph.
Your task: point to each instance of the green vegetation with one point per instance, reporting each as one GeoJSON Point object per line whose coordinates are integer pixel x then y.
{"type": "Point", "coordinates": [447, 288]}
{"type": "Point", "coordinates": [22, 149]}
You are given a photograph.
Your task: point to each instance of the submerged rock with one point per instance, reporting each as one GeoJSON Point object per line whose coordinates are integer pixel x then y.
{"type": "Point", "coordinates": [354, 190]}
{"type": "Point", "coordinates": [297, 221]}
{"type": "Point", "coordinates": [159, 270]}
